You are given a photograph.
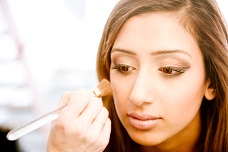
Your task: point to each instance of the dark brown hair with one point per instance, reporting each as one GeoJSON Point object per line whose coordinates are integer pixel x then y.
{"type": "Point", "coordinates": [203, 20]}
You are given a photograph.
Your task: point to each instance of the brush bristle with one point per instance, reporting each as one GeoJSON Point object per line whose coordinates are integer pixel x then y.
{"type": "Point", "coordinates": [103, 89]}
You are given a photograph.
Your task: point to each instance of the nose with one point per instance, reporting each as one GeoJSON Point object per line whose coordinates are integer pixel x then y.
{"type": "Point", "coordinates": [142, 90]}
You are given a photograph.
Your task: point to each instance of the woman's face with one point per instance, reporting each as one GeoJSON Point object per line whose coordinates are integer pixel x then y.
{"type": "Point", "coordinates": [158, 80]}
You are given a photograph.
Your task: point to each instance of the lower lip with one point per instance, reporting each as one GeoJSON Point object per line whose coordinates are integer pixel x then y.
{"type": "Point", "coordinates": [143, 124]}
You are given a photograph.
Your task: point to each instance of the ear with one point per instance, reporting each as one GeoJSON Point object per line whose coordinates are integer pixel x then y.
{"type": "Point", "coordinates": [210, 92]}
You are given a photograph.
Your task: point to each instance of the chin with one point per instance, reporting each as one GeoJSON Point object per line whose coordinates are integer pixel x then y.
{"type": "Point", "coordinates": [146, 139]}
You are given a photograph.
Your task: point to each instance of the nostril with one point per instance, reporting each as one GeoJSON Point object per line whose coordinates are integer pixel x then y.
{"type": "Point", "coordinates": [141, 100]}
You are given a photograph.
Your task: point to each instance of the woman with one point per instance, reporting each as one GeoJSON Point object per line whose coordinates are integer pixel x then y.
{"type": "Point", "coordinates": [167, 65]}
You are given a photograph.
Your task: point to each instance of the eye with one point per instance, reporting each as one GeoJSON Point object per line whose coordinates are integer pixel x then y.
{"type": "Point", "coordinates": [171, 71]}
{"type": "Point", "coordinates": [123, 68]}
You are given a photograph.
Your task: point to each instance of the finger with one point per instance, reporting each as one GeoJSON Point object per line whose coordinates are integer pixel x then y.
{"type": "Point", "coordinates": [100, 119]}
{"type": "Point", "coordinates": [104, 137]}
{"type": "Point", "coordinates": [94, 131]}
{"type": "Point", "coordinates": [64, 98]}
{"type": "Point", "coordinates": [76, 102]}
{"type": "Point", "coordinates": [69, 122]}
{"type": "Point", "coordinates": [92, 110]}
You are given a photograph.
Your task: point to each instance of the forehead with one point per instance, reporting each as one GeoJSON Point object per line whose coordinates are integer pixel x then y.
{"type": "Point", "coordinates": [154, 31]}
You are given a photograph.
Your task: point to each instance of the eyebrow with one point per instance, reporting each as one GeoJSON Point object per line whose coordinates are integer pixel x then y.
{"type": "Point", "coordinates": [154, 53]}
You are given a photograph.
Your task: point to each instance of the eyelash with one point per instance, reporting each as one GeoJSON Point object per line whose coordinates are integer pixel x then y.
{"type": "Point", "coordinates": [123, 68]}
{"type": "Point", "coordinates": [171, 71]}
{"type": "Point", "coordinates": [167, 70]}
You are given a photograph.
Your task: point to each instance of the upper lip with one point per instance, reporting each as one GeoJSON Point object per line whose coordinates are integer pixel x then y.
{"type": "Point", "coordinates": [141, 116]}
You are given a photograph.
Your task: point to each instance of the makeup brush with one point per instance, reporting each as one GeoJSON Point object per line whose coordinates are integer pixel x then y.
{"type": "Point", "coordinates": [103, 89]}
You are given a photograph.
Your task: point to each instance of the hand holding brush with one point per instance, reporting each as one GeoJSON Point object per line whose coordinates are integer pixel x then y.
{"type": "Point", "coordinates": [103, 89]}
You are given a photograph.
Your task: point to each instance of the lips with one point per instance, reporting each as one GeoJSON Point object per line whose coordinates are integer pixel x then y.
{"type": "Point", "coordinates": [143, 121]}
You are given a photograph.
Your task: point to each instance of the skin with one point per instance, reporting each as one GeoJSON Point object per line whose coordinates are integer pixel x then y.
{"type": "Point", "coordinates": [82, 126]}
{"type": "Point", "coordinates": [157, 70]}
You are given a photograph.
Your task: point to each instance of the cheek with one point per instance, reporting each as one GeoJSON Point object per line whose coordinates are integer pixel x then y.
{"type": "Point", "coordinates": [121, 92]}
{"type": "Point", "coordinates": [183, 101]}
{"type": "Point", "coordinates": [120, 102]}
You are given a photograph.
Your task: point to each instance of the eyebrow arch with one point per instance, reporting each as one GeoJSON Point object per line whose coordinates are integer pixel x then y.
{"type": "Point", "coordinates": [160, 52]}
{"type": "Point", "coordinates": [123, 50]}
{"type": "Point", "coordinates": [154, 53]}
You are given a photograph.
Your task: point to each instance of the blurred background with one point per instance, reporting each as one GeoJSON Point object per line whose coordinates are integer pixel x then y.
{"type": "Point", "coordinates": [47, 47]}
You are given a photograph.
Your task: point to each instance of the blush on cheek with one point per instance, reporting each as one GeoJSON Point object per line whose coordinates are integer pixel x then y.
{"type": "Point", "coordinates": [188, 105]}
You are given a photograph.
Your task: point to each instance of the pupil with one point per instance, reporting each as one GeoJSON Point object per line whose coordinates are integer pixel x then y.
{"type": "Point", "coordinates": [167, 70]}
{"type": "Point", "coordinates": [124, 68]}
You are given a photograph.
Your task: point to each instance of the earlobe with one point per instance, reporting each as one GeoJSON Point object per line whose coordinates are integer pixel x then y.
{"type": "Point", "coordinates": [210, 92]}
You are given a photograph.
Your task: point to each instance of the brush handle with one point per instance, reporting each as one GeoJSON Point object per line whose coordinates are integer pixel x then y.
{"type": "Point", "coordinates": [33, 125]}
{"type": "Point", "coordinates": [102, 89]}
